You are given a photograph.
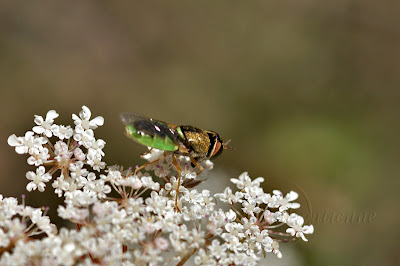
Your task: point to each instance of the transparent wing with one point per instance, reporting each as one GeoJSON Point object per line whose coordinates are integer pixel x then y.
{"type": "Point", "coordinates": [151, 127]}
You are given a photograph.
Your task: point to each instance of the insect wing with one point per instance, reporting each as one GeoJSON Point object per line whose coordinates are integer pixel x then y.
{"type": "Point", "coordinates": [151, 132]}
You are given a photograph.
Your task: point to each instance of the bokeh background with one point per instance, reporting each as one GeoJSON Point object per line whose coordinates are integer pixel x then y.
{"type": "Point", "coordinates": [308, 91]}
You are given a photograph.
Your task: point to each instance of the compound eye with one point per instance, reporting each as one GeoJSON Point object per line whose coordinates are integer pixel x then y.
{"type": "Point", "coordinates": [217, 149]}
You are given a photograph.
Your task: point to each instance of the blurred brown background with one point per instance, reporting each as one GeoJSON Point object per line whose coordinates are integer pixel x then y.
{"type": "Point", "coordinates": [308, 91]}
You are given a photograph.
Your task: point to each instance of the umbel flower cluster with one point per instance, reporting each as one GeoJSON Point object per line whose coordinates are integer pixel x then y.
{"type": "Point", "coordinates": [128, 217]}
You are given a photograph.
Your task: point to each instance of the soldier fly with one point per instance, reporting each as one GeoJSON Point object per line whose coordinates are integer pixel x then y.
{"type": "Point", "coordinates": [196, 143]}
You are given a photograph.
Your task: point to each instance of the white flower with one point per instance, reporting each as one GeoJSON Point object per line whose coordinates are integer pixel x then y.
{"type": "Point", "coordinates": [85, 138]}
{"type": "Point", "coordinates": [99, 187]}
{"type": "Point", "coordinates": [160, 169]}
{"type": "Point", "coordinates": [207, 164]}
{"type": "Point", "coordinates": [76, 170]}
{"type": "Point", "coordinates": [152, 154]}
{"type": "Point", "coordinates": [235, 229]}
{"type": "Point", "coordinates": [205, 200]}
{"type": "Point", "coordinates": [202, 258]}
{"type": "Point", "coordinates": [94, 160]}
{"type": "Point", "coordinates": [187, 171]}
{"type": "Point", "coordinates": [249, 225]}
{"type": "Point", "coordinates": [173, 185]}
{"type": "Point", "coordinates": [39, 157]}
{"type": "Point", "coordinates": [44, 126]}
{"type": "Point", "coordinates": [255, 193]}
{"type": "Point", "coordinates": [62, 132]}
{"type": "Point", "coordinates": [271, 201]}
{"type": "Point", "coordinates": [191, 196]}
{"type": "Point", "coordinates": [275, 249]}
{"type": "Point", "coordinates": [38, 179]}
{"type": "Point", "coordinates": [229, 197]}
{"type": "Point", "coordinates": [197, 238]}
{"type": "Point", "coordinates": [297, 229]}
{"type": "Point", "coordinates": [98, 146]}
{"type": "Point", "coordinates": [43, 222]}
{"type": "Point", "coordinates": [135, 228]}
{"type": "Point", "coordinates": [60, 185]}
{"type": "Point", "coordinates": [244, 181]}
{"type": "Point", "coordinates": [83, 123]}
{"type": "Point", "coordinates": [250, 207]}
{"type": "Point", "coordinates": [232, 242]}
{"type": "Point", "coordinates": [147, 181]}
{"type": "Point", "coordinates": [217, 250]}
{"type": "Point", "coordinates": [73, 213]}
{"type": "Point", "coordinates": [269, 217]}
{"type": "Point", "coordinates": [285, 202]}
{"type": "Point", "coordinates": [27, 144]}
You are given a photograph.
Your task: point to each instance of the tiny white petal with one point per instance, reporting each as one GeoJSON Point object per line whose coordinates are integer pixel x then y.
{"type": "Point", "coordinates": [97, 121]}
{"type": "Point", "coordinates": [13, 140]}
{"type": "Point", "coordinates": [52, 114]}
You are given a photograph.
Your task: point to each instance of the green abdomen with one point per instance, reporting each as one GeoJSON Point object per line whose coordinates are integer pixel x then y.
{"type": "Point", "coordinates": [162, 143]}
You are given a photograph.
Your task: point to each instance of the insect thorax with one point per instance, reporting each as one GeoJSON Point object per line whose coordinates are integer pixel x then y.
{"type": "Point", "coordinates": [196, 140]}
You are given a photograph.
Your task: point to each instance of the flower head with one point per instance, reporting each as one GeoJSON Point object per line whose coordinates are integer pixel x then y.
{"type": "Point", "coordinates": [149, 216]}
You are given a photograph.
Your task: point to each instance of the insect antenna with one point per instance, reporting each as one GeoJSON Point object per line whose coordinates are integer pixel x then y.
{"type": "Point", "coordinates": [225, 145]}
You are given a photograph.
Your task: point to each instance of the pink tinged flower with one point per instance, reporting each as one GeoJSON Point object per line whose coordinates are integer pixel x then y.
{"type": "Point", "coordinates": [79, 154]}
{"type": "Point", "coordinates": [63, 155]}
{"type": "Point", "coordinates": [269, 217]}
{"type": "Point", "coordinates": [161, 243]}
{"type": "Point", "coordinates": [44, 126]}
{"type": "Point", "coordinates": [37, 179]}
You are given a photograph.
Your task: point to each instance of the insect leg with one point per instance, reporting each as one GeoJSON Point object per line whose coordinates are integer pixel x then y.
{"type": "Point", "coordinates": [198, 165]}
{"type": "Point", "coordinates": [179, 180]}
{"type": "Point", "coordinates": [147, 152]}
{"type": "Point", "coordinates": [149, 163]}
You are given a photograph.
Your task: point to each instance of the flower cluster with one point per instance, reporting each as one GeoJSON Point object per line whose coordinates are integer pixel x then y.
{"type": "Point", "coordinates": [136, 217]}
